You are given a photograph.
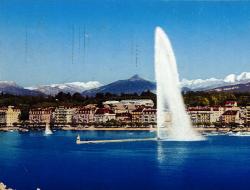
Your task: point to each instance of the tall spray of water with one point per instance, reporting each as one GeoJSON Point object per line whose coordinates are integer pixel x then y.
{"type": "Point", "coordinates": [169, 96]}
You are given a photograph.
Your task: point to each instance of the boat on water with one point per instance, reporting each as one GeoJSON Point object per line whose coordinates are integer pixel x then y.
{"type": "Point", "coordinates": [23, 130]}
{"type": "Point", "coordinates": [240, 134]}
{"type": "Point", "coordinates": [212, 134]}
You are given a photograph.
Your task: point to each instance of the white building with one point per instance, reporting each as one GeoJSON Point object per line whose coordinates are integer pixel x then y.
{"type": "Point", "coordinates": [103, 115]}
{"type": "Point", "coordinates": [139, 102]}
{"type": "Point", "coordinates": [201, 114]}
{"type": "Point", "coordinates": [63, 115]}
{"type": "Point", "coordinates": [149, 115]}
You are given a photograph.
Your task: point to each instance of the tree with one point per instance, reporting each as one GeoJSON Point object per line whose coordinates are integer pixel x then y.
{"type": "Point", "coordinates": [77, 97]}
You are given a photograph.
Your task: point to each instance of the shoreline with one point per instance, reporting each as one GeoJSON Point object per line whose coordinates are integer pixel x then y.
{"type": "Point", "coordinates": [150, 129]}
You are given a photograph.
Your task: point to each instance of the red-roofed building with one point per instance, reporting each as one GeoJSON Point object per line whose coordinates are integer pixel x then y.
{"type": "Point", "coordinates": [137, 115]}
{"type": "Point", "coordinates": [216, 113]}
{"type": "Point", "coordinates": [124, 117]}
{"type": "Point", "coordinates": [231, 104]}
{"type": "Point", "coordinates": [231, 116]}
{"type": "Point", "coordinates": [103, 115]}
{"type": "Point", "coordinates": [41, 115]}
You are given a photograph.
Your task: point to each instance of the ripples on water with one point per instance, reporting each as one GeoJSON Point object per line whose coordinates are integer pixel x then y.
{"type": "Point", "coordinates": [32, 160]}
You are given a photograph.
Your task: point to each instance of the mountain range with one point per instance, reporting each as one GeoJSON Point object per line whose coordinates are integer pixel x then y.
{"type": "Point", "coordinates": [131, 85]}
{"type": "Point", "coordinates": [10, 87]}
{"type": "Point", "coordinates": [71, 88]}
{"type": "Point", "coordinates": [205, 84]}
{"type": "Point", "coordinates": [232, 82]}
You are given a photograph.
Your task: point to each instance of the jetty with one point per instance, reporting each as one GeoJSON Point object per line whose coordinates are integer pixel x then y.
{"type": "Point", "coordinates": [79, 141]}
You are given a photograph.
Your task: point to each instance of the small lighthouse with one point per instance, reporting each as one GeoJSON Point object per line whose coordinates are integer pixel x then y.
{"type": "Point", "coordinates": [78, 139]}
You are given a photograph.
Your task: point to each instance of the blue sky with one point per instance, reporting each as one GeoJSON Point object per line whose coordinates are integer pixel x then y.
{"type": "Point", "coordinates": [42, 41]}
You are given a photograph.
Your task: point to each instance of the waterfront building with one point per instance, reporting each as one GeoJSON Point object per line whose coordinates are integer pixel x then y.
{"type": "Point", "coordinates": [2, 117]}
{"type": "Point", "coordinates": [231, 116]}
{"type": "Point", "coordinates": [124, 117]}
{"type": "Point", "coordinates": [63, 115]}
{"type": "Point", "coordinates": [216, 113]}
{"type": "Point", "coordinates": [83, 115]}
{"type": "Point", "coordinates": [149, 115]}
{"type": "Point", "coordinates": [206, 114]}
{"type": "Point", "coordinates": [9, 116]}
{"type": "Point", "coordinates": [115, 106]}
{"type": "Point", "coordinates": [103, 115]}
{"type": "Point", "coordinates": [243, 115]}
{"type": "Point", "coordinates": [137, 115]}
{"type": "Point", "coordinates": [124, 106]}
{"type": "Point", "coordinates": [248, 115]}
{"type": "Point", "coordinates": [139, 102]}
{"type": "Point", "coordinates": [41, 115]}
{"type": "Point", "coordinates": [199, 114]}
{"type": "Point", "coordinates": [231, 105]}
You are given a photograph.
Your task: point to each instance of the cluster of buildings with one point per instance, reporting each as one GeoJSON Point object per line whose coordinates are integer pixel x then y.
{"type": "Point", "coordinates": [125, 111]}
{"type": "Point", "coordinates": [230, 113]}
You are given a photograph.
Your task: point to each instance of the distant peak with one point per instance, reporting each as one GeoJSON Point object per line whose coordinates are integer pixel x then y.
{"type": "Point", "coordinates": [8, 83]}
{"type": "Point", "coordinates": [136, 77]}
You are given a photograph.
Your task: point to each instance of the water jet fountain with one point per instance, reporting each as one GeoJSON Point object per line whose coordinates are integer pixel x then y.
{"type": "Point", "coordinates": [169, 96]}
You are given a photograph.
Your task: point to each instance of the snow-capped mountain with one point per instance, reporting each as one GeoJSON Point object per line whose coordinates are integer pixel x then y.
{"type": "Point", "coordinates": [204, 84]}
{"type": "Point", "coordinates": [136, 84]}
{"type": "Point", "coordinates": [10, 87]}
{"type": "Point", "coordinates": [72, 87]}
{"type": "Point", "coordinates": [241, 87]}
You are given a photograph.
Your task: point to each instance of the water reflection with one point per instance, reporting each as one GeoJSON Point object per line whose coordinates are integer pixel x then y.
{"type": "Point", "coordinates": [161, 154]}
{"type": "Point", "coordinates": [168, 154]}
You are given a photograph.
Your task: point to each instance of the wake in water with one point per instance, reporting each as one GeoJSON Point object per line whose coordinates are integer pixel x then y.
{"type": "Point", "coordinates": [169, 96]}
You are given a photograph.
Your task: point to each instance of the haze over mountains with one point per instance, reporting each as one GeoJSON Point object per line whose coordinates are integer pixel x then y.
{"type": "Point", "coordinates": [232, 82]}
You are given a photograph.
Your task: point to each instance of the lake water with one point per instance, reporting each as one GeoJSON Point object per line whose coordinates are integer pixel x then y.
{"type": "Point", "coordinates": [31, 160]}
